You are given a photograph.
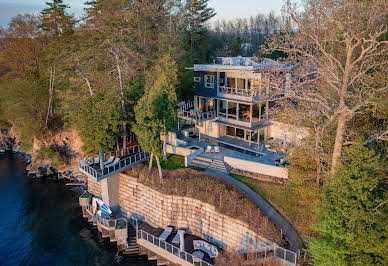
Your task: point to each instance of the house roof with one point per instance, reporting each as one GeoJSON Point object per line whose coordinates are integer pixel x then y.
{"type": "Point", "coordinates": [240, 63]}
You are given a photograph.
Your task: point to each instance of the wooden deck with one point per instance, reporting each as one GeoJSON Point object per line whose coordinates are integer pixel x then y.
{"type": "Point", "coordinates": [129, 157]}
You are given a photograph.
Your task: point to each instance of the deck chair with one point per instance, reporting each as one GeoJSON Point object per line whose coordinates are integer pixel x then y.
{"type": "Point", "coordinates": [116, 161]}
{"type": "Point", "coordinates": [166, 233]}
{"type": "Point", "coordinates": [217, 149]}
{"type": "Point", "coordinates": [110, 160]}
{"type": "Point", "coordinates": [96, 159]}
{"type": "Point", "coordinates": [208, 149]}
{"type": "Point", "coordinates": [177, 237]}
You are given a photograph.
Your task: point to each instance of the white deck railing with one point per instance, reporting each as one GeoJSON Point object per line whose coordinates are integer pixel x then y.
{"type": "Point", "coordinates": [187, 106]}
{"type": "Point", "coordinates": [254, 92]}
{"type": "Point", "coordinates": [197, 116]}
{"type": "Point", "coordinates": [170, 248]}
{"type": "Point", "coordinates": [137, 156]}
{"type": "Point", "coordinates": [108, 222]}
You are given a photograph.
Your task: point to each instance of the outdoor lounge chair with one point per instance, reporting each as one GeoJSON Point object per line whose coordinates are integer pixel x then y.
{"type": "Point", "coordinates": [208, 149]}
{"type": "Point", "coordinates": [97, 159]}
{"type": "Point", "coordinates": [116, 161]}
{"type": "Point", "coordinates": [177, 237]}
{"type": "Point", "coordinates": [211, 250]}
{"type": "Point", "coordinates": [217, 149]}
{"type": "Point", "coordinates": [84, 162]}
{"type": "Point", "coordinates": [110, 160]}
{"type": "Point", "coordinates": [166, 233]}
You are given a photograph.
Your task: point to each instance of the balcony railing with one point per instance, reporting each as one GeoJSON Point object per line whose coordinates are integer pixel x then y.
{"type": "Point", "coordinates": [187, 106]}
{"type": "Point", "coordinates": [196, 115]}
{"type": "Point", "coordinates": [119, 223]}
{"type": "Point", "coordinates": [253, 93]}
{"type": "Point", "coordinates": [171, 248]}
{"type": "Point", "coordinates": [128, 158]}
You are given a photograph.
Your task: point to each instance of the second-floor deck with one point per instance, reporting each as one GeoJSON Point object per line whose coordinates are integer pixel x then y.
{"type": "Point", "coordinates": [247, 95]}
{"type": "Point", "coordinates": [197, 116]}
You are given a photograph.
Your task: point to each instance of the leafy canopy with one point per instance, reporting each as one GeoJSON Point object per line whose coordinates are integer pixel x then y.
{"type": "Point", "coordinates": [99, 123]}
{"type": "Point", "coordinates": [353, 229]}
{"type": "Point", "coordinates": [156, 110]}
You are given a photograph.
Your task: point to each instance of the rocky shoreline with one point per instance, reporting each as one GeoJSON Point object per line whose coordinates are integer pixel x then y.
{"type": "Point", "coordinates": [39, 168]}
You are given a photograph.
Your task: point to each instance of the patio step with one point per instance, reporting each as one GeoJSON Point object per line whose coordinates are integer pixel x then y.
{"type": "Point", "coordinates": [208, 163]}
{"type": "Point", "coordinates": [201, 162]}
{"type": "Point", "coordinates": [220, 165]}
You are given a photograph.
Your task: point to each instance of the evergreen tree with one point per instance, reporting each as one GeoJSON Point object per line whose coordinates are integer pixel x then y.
{"type": "Point", "coordinates": [99, 123]}
{"type": "Point", "coordinates": [353, 229]}
{"type": "Point", "coordinates": [197, 13]}
{"type": "Point", "coordinates": [156, 110]}
{"type": "Point", "coordinates": [55, 20]}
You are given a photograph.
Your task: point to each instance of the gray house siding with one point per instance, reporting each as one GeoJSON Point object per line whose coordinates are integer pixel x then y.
{"type": "Point", "coordinates": [199, 87]}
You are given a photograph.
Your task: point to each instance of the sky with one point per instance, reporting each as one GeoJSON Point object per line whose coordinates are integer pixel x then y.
{"type": "Point", "coordinates": [226, 9]}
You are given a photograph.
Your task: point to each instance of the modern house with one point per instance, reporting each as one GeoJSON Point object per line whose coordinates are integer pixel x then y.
{"type": "Point", "coordinates": [231, 102]}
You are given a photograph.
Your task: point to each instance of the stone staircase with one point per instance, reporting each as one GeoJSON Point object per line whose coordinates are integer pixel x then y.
{"type": "Point", "coordinates": [204, 162]}
{"type": "Point", "coordinates": [133, 247]}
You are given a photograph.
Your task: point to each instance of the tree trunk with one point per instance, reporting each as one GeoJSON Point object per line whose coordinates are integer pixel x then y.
{"type": "Point", "coordinates": [150, 164]}
{"type": "Point", "coordinates": [159, 168]}
{"type": "Point", "coordinates": [318, 157]}
{"type": "Point", "coordinates": [125, 133]}
{"type": "Point", "coordinates": [84, 77]}
{"type": "Point", "coordinates": [86, 80]}
{"type": "Point", "coordinates": [165, 144]}
{"type": "Point", "coordinates": [51, 90]}
{"type": "Point", "coordinates": [339, 138]}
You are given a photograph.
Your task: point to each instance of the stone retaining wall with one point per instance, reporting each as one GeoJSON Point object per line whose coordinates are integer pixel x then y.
{"type": "Point", "coordinates": [160, 210]}
{"type": "Point", "coordinates": [94, 186]}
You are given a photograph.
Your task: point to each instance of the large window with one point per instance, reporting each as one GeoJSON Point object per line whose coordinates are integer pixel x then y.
{"type": "Point", "coordinates": [244, 112]}
{"type": "Point", "coordinates": [231, 131]}
{"type": "Point", "coordinates": [211, 105]}
{"type": "Point", "coordinates": [241, 84]}
{"type": "Point", "coordinates": [240, 133]}
{"type": "Point", "coordinates": [196, 102]}
{"type": "Point", "coordinates": [222, 108]}
{"type": "Point", "coordinates": [202, 104]}
{"type": "Point", "coordinates": [231, 83]}
{"type": "Point", "coordinates": [232, 110]}
{"type": "Point", "coordinates": [263, 108]}
{"type": "Point", "coordinates": [256, 113]}
{"type": "Point", "coordinates": [254, 136]}
{"type": "Point", "coordinates": [261, 135]}
{"type": "Point", "coordinates": [209, 81]}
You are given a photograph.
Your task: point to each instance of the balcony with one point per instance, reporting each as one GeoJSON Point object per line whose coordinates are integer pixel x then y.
{"type": "Point", "coordinates": [251, 95]}
{"type": "Point", "coordinates": [197, 116]}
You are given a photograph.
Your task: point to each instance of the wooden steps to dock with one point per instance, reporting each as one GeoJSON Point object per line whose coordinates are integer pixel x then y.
{"type": "Point", "coordinates": [133, 247]}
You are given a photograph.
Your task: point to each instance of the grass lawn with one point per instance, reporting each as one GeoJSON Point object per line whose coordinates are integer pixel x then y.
{"type": "Point", "coordinates": [173, 162]}
{"type": "Point", "coordinates": [299, 211]}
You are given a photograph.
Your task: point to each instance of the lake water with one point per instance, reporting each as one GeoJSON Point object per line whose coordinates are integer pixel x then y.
{"type": "Point", "coordinates": [41, 223]}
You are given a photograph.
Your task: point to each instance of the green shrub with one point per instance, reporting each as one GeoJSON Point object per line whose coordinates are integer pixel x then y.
{"type": "Point", "coordinates": [49, 153]}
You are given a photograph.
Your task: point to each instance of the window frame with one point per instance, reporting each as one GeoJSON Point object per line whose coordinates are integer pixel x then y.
{"type": "Point", "coordinates": [209, 83]}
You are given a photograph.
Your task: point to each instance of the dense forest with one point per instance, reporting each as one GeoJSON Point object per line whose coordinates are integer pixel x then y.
{"type": "Point", "coordinates": [116, 75]}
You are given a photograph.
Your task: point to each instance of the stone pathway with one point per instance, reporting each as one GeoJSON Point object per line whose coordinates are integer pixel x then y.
{"type": "Point", "coordinates": [292, 236]}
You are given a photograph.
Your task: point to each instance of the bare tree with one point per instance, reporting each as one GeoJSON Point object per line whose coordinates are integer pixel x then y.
{"type": "Point", "coordinates": [51, 93]}
{"type": "Point", "coordinates": [339, 57]}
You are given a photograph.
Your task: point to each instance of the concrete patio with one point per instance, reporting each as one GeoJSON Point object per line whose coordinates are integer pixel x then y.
{"type": "Point", "coordinates": [232, 147]}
